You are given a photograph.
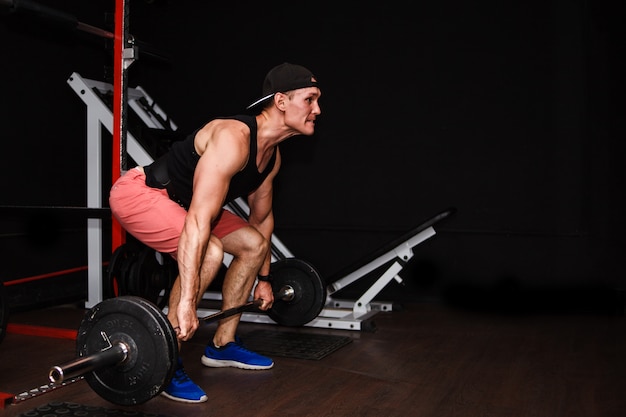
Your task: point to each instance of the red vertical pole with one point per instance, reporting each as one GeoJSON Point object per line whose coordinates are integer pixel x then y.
{"type": "Point", "coordinates": [119, 107]}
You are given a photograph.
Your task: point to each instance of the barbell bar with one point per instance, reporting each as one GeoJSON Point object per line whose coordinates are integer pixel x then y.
{"type": "Point", "coordinates": [111, 356]}
{"type": "Point", "coordinates": [286, 293]}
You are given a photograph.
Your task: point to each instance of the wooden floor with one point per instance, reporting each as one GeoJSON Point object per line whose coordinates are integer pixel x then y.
{"type": "Point", "coordinates": [424, 360]}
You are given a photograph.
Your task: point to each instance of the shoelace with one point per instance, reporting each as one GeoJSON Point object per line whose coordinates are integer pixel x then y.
{"type": "Point", "coordinates": [239, 343]}
{"type": "Point", "coordinates": [181, 376]}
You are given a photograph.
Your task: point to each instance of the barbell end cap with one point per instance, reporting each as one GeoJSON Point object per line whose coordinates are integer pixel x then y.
{"type": "Point", "coordinates": [56, 375]}
{"type": "Point", "coordinates": [286, 293]}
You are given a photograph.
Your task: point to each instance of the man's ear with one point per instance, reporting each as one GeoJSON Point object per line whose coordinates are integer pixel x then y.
{"type": "Point", "coordinates": [279, 101]}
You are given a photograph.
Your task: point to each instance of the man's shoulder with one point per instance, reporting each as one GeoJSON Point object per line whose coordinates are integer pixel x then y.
{"type": "Point", "coordinates": [223, 134]}
{"type": "Point", "coordinates": [229, 126]}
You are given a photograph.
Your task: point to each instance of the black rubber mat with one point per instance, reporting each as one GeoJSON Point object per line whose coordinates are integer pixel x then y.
{"type": "Point", "coordinates": [293, 344]}
{"type": "Point", "coordinates": [65, 409]}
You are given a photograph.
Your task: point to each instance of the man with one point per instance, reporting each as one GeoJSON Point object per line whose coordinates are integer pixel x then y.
{"type": "Point", "coordinates": [175, 206]}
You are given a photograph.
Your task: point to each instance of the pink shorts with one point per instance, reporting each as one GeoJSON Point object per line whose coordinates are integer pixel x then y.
{"type": "Point", "coordinates": [153, 218]}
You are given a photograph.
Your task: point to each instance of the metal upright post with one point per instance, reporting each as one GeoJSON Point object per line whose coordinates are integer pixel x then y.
{"type": "Point", "coordinates": [124, 53]}
{"type": "Point", "coordinates": [94, 199]}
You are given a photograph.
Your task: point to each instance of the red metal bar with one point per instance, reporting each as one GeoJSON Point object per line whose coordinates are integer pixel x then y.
{"type": "Point", "coordinates": [30, 330]}
{"type": "Point", "coordinates": [5, 399]}
{"type": "Point", "coordinates": [118, 234]}
{"type": "Point", "coordinates": [43, 276]}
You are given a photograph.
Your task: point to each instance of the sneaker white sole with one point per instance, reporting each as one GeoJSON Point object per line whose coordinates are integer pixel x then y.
{"type": "Point", "coordinates": [214, 363]}
{"type": "Point", "coordinates": [184, 400]}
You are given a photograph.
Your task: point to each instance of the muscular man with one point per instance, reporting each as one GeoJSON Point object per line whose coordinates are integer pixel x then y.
{"type": "Point", "coordinates": [175, 205]}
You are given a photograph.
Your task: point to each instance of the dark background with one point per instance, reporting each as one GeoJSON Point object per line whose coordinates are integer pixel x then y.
{"type": "Point", "coordinates": [509, 111]}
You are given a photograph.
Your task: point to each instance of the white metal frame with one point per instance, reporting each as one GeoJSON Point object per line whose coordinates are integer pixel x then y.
{"type": "Point", "coordinates": [98, 116]}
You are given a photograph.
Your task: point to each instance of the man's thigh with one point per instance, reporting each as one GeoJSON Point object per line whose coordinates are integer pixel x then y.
{"type": "Point", "coordinates": [147, 213]}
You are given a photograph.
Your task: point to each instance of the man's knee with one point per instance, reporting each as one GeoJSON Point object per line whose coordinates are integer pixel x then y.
{"type": "Point", "coordinates": [247, 242]}
{"type": "Point", "coordinates": [256, 244]}
{"type": "Point", "coordinates": [264, 247]}
{"type": "Point", "coordinates": [215, 249]}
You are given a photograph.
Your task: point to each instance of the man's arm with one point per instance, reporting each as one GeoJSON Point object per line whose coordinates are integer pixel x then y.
{"type": "Point", "coordinates": [224, 153]}
{"type": "Point", "coordinates": [261, 217]}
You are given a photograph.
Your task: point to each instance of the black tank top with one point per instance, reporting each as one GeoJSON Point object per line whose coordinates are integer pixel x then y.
{"type": "Point", "coordinates": [182, 159]}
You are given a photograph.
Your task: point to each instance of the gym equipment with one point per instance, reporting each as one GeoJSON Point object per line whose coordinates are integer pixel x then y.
{"type": "Point", "coordinates": [307, 295]}
{"type": "Point", "coordinates": [99, 115]}
{"type": "Point", "coordinates": [127, 349]}
{"type": "Point", "coordinates": [152, 276]}
{"type": "Point", "coordinates": [307, 303]}
{"type": "Point", "coordinates": [136, 269]}
{"type": "Point", "coordinates": [391, 258]}
{"type": "Point", "coordinates": [294, 303]}
{"type": "Point", "coordinates": [115, 280]}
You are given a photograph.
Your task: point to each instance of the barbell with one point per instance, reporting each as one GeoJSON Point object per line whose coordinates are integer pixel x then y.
{"type": "Point", "coordinates": [127, 349]}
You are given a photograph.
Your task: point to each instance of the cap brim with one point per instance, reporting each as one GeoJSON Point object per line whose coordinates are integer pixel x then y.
{"type": "Point", "coordinates": [259, 101]}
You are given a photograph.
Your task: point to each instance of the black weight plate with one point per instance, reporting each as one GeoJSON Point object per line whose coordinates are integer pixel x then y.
{"type": "Point", "coordinates": [309, 292]}
{"type": "Point", "coordinates": [148, 276]}
{"type": "Point", "coordinates": [117, 273]}
{"type": "Point", "coordinates": [142, 266]}
{"type": "Point", "coordinates": [152, 349]}
{"type": "Point", "coordinates": [110, 287]}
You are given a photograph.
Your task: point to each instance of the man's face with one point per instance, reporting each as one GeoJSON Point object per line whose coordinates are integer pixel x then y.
{"type": "Point", "coordinates": [302, 108]}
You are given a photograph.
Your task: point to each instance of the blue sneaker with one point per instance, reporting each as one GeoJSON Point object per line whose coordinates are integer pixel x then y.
{"type": "Point", "coordinates": [182, 388]}
{"type": "Point", "coordinates": [236, 355]}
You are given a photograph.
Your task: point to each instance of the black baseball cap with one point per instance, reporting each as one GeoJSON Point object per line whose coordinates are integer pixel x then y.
{"type": "Point", "coordinates": [285, 77]}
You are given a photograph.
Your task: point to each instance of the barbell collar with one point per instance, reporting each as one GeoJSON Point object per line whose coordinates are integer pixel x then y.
{"type": "Point", "coordinates": [112, 356]}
